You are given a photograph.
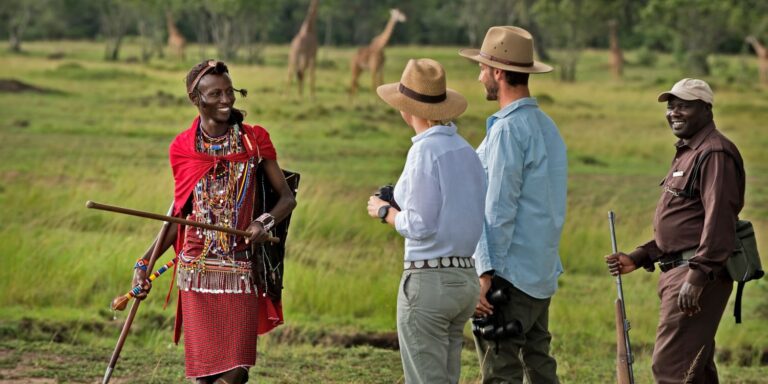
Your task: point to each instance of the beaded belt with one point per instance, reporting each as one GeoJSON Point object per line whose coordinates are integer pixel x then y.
{"type": "Point", "coordinates": [441, 262]}
{"type": "Point", "coordinates": [674, 260]}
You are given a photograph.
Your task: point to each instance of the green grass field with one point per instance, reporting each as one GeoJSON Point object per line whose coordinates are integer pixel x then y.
{"type": "Point", "coordinates": [102, 134]}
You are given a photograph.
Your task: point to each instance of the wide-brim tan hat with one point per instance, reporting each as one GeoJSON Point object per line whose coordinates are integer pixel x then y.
{"type": "Point", "coordinates": [689, 89]}
{"type": "Point", "coordinates": [422, 92]}
{"type": "Point", "coordinates": [507, 48]}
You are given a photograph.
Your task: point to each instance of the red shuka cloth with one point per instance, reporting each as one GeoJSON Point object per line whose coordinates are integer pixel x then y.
{"type": "Point", "coordinates": [189, 166]}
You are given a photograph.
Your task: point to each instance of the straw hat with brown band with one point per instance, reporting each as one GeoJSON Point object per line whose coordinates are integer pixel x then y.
{"type": "Point", "coordinates": [507, 48]}
{"type": "Point", "coordinates": [422, 92]}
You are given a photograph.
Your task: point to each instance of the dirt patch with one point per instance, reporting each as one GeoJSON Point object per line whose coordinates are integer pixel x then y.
{"type": "Point", "coordinates": [20, 372]}
{"type": "Point", "coordinates": [386, 340]}
{"type": "Point", "coordinates": [16, 86]}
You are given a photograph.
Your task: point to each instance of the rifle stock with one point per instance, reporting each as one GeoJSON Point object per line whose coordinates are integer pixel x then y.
{"type": "Point", "coordinates": [623, 374]}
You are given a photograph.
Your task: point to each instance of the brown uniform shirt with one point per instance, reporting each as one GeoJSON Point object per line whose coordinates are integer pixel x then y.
{"type": "Point", "coordinates": [706, 220]}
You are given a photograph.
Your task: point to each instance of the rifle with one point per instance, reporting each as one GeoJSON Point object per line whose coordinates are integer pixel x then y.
{"type": "Point", "coordinates": [624, 374]}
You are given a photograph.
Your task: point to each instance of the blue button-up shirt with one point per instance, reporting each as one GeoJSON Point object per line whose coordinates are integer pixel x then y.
{"type": "Point", "coordinates": [441, 193]}
{"type": "Point", "coordinates": [525, 162]}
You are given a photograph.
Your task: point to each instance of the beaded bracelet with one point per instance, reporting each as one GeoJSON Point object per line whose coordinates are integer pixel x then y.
{"type": "Point", "coordinates": [141, 264]}
{"type": "Point", "coordinates": [267, 221]}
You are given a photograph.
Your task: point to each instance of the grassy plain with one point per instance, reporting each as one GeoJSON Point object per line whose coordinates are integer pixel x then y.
{"type": "Point", "coordinates": [102, 134]}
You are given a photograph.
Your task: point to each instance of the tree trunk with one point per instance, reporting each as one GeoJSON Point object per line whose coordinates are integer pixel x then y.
{"type": "Point", "coordinates": [17, 27]}
{"type": "Point", "coordinates": [568, 69]}
{"type": "Point", "coordinates": [15, 42]}
{"type": "Point", "coordinates": [696, 63]}
{"type": "Point", "coordinates": [112, 52]}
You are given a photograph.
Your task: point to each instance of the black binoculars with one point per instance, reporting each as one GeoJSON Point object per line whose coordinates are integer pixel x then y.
{"type": "Point", "coordinates": [495, 327]}
{"type": "Point", "coordinates": [387, 193]}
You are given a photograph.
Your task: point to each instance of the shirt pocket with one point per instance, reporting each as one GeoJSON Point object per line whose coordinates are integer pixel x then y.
{"type": "Point", "coordinates": [676, 182]}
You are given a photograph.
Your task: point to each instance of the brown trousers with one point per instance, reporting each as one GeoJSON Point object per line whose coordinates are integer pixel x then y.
{"type": "Point", "coordinates": [684, 341]}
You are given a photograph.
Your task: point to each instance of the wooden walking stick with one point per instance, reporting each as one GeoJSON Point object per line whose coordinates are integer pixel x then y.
{"type": "Point", "coordinates": [135, 306]}
{"type": "Point", "coordinates": [171, 219]}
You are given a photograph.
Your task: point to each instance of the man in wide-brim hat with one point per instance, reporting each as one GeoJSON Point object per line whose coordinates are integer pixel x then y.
{"type": "Point", "coordinates": [441, 193]}
{"type": "Point", "coordinates": [525, 161]}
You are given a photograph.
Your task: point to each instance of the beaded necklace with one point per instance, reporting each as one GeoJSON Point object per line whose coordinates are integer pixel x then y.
{"type": "Point", "coordinates": [219, 195]}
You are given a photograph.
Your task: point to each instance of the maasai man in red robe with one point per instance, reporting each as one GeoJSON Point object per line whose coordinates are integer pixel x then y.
{"type": "Point", "coordinates": [214, 166]}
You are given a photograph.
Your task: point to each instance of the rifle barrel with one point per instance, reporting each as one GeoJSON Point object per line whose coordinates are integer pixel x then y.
{"type": "Point", "coordinates": [624, 360]}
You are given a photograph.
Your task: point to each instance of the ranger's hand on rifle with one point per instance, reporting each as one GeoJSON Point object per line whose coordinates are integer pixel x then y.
{"type": "Point", "coordinates": [140, 277]}
{"type": "Point", "coordinates": [619, 263]}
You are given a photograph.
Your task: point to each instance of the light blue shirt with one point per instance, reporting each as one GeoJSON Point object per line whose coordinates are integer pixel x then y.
{"type": "Point", "coordinates": [525, 161]}
{"type": "Point", "coordinates": [441, 193]}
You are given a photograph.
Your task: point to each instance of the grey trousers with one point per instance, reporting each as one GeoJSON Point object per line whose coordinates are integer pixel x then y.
{"type": "Point", "coordinates": [524, 355]}
{"type": "Point", "coordinates": [433, 305]}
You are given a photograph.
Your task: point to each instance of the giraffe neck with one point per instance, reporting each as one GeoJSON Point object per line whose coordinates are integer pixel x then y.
{"type": "Point", "coordinates": [759, 48]}
{"type": "Point", "coordinates": [309, 22]}
{"type": "Point", "coordinates": [381, 40]}
{"type": "Point", "coordinates": [172, 30]}
{"type": "Point", "coordinates": [613, 38]}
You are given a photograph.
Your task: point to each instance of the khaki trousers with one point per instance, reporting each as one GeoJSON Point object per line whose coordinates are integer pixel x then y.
{"type": "Point", "coordinates": [433, 305]}
{"type": "Point", "coordinates": [526, 355]}
{"type": "Point", "coordinates": [680, 338]}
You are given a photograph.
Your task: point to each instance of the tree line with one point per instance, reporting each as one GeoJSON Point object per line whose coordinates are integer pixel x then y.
{"type": "Point", "coordinates": [690, 29]}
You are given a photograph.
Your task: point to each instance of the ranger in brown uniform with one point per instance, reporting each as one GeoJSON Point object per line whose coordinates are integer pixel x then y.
{"type": "Point", "coordinates": [694, 234]}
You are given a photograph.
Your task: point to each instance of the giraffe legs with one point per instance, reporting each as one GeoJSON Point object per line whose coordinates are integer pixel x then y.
{"type": "Point", "coordinates": [311, 71]}
{"type": "Point", "coordinates": [355, 75]}
{"type": "Point", "coordinates": [300, 77]}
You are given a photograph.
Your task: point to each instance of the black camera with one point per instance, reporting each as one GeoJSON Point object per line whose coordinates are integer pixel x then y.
{"type": "Point", "coordinates": [495, 327]}
{"type": "Point", "coordinates": [387, 193]}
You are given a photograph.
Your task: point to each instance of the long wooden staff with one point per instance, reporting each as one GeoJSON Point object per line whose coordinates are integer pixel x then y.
{"type": "Point", "coordinates": [171, 219]}
{"type": "Point", "coordinates": [156, 250]}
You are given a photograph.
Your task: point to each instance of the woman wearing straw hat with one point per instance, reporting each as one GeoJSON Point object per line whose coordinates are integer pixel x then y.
{"type": "Point", "coordinates": [441, 193]}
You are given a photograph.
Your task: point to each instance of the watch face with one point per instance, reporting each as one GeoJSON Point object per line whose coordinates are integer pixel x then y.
{"type": "Point", "coordinates": [383, 211]}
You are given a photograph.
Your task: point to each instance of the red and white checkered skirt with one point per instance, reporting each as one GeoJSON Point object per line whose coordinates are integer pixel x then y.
{"type": "Point", "coordinates": [220, 331]}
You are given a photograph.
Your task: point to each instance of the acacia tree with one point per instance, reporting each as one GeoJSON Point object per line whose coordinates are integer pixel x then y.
{"type": "Point", "coordinates": [571, 24]}
{"type": "Point", "coordinates": [151, 27]}
{"type": "Point", "coordinates": [18, 15]}
{"type": "Point", "coordinates": [694, 29]}
{"type": "Point", "coordinates": [115, 17]}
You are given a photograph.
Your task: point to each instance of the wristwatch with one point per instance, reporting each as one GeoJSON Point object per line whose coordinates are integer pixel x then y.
{"type": "Point", "coordinates": [383, 212]}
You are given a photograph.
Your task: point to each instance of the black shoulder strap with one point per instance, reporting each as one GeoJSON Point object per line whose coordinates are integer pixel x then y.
{"type": "Point", "coordinates": [737, 302]}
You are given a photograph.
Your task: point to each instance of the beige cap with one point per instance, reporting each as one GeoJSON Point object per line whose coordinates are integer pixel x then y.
{"type": "Point", "coordinates": [690, 89]}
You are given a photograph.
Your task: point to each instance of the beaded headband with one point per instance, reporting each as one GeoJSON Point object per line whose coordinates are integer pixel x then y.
{"type": "Point", "coordinates": [210, 65]}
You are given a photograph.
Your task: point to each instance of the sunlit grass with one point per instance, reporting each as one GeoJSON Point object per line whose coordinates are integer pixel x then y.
{"type": "Point", "coordinates": [104, 134]}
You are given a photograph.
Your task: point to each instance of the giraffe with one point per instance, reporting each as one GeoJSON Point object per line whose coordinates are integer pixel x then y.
{"type": "Point", "coordinates": [617, 58]}
{"type": "Point", "coordinates": [176, 40]}
{"type": "Point", "coordinates": [762, 57]}
{"type": "Point", "coordinates": [371, 57]}
{"type": "Point", "coordinates": [301, 59]}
